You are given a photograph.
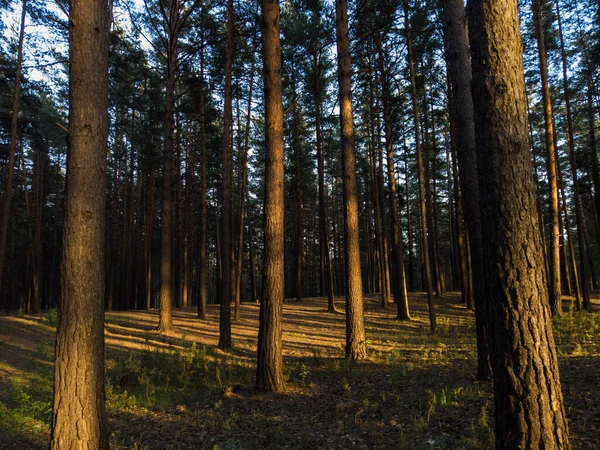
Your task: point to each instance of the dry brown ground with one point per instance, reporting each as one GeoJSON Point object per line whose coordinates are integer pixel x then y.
{"type": "Point", "coordinates": [178, 391]}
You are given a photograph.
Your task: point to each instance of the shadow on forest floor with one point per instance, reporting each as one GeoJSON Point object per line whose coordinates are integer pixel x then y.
{"type": "Point", "coordinates": [415, 391]}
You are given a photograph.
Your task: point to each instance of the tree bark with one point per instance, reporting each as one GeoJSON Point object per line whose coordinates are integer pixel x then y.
{"type": "Point", "coordinates": [356, 347]}
{"type": "Point", "coordinates": [202, 263]}
{"type": "Point", "coordinates": [325, 259]}
{"type": "Point", "coordinates": [554, 257]}
{"type": "Point", "coordinates": [79, 414]}
{"type": "Point", "coordinates": [14, 118]}
{"type": "Point", "coordinates": [400, 294]}
{"type": "Point", "coordinates": [269, 367]}
{"type": "Point", "coordinates": [415, 113]}
{"type": "Point", "coordinates": [165, 324]}
{"type": "Point", "coordinates": [529, 409]}
{"type": "Point", "coordinates": [459, 71]}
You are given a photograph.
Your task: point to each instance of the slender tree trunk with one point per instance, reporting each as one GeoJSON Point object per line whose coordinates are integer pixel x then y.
{"type": "Point", "coordinates": [253, 288]}
{"type": "Point", "coordinates": [243, 187]}
{"type": "Point", "coordinates": [423, 209]}
{"type": "Point", "coordinates": [459, 71]}
{"type": "Point", "coordinates": [298, 256]}
{"type": "Point", "coordinates": [581, 225]}
{"type": "Point", "coordinates": [554, 257]}
{"type": "Point", "coordinates": [226, 285]}
{"type": "Point", "coordinates": [165, 323]}
{"type": "Point", "coordinates": [325, 260]}
{"type": "Point", "coordinates": [149, 235]}
{"type": "Point", "coordinates": [356, 347]}
{"type": "Point", "coordinates": [79, 414]}
{"type": "Point", "coordinates": [401, 296]}
{"type": "Point", "coordinates": [269, 367]}
{"type": "Point", "coordinates": [14, 118]}
{"type": "Point", "coordinates": [202, 263]}
{"type": "Point", "coordinates": [529, 410]}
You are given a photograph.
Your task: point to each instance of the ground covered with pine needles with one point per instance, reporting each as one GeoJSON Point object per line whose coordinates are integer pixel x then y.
{"type": "Point", "coordinates": [416, 390]}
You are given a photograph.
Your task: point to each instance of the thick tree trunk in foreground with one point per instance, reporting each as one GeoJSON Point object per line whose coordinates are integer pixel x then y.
{"type": "Point", "coordinates": [459, 71]}
{"type": "Point", "coordinates": [529, 409]}
{"type": "Point", "coordinates": [79, 414]}
{"type": "Point", "coordinates": [12, 149]}
{"type": "Point", "coordinates": [226, 285]}
{"type": "Point", "coordinates": [356, 347]}
{"type": "Point", "coordinates": [554, 257]}
{"type": "Point", "coordinates": [415, 111]}
{"type": "Point", "coordinates": [269, 367]}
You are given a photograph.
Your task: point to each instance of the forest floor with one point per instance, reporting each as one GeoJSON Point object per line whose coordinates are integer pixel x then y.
{"type": "Point", "coordinates": [416, 390]}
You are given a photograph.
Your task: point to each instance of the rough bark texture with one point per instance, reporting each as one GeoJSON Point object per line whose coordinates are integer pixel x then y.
{"type": "Point", "coordinates": [226, 284]}
{"type": "Point", "coordinates": [459, 71]}
{"type": "Point", "coordinates": [529, 409]}
{"type": "Point", "coordinates": [356, 347]}
{"type": "Point", "coordinates": [423, 209]}
{"type": "Point", "coordinates": [79, 415]}
{"type": "Point", "coordinates": [269, 367]}
{"type": "Point", "coordinates": [554, 256]}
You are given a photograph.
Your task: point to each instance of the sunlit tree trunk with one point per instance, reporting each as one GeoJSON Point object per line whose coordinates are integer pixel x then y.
{"type": "Point", "coordinates": [356, 347]}
{"type": "Point", "coordinates": [554, 256]}
{"type": "Point", "coordinates": [79, 414]}
{"type": "Point", "coordinates": [269, 366]}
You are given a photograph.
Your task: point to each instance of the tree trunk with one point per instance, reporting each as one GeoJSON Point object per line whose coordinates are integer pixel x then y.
{"type": "Point", "coordinates": [202, 263]}
{"type": "Point", "coordinates": [14, 118]}
{"type": "Point", "coordinates": [79, 414]}
{"type": "Point", "coordinates": [243, 187]}
{"type": "Point", "coordinates": [325, 260]}
{"type": "Point", "coordinates": [583, 258]}
{"type": "Point", "coordinates": [165, 323]}
{"type": "Point", "coordinates": [398, 275]}
{"type": "Point", "coordinates": [459, 72]}
{"type": "Point", "coordinates": [298, 258]}
{"type": "Point", "coordinates": [529, 410]}
{"type": "Point", "coordinates": [226, 284]}
{"type": "Point", "coordinates": [554, 257]}
{"type": "Point", "coordinates": [269, 366]}
{"type": "Point", "coordinates": [423, 209]}
{"type": "Point", "coordinates": [356, 347]}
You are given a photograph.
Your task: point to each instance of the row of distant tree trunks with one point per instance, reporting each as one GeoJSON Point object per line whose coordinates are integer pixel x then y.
{"type": "Point", "coordinates": [132, 248]}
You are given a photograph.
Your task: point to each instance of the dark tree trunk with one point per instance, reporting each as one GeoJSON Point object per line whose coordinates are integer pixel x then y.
{"type": "Point", "coordinates": [269, 366]}
{"type": "Point", "coordinates": [398, 275]}
{"type": "Point", "coordinates": [14, 117]}
{"type": "Point", "coordinates": [356, 347]}
{"type": "Point", "coordinates": [243, 187]}
{"type": "Point", "coordinates": [202, 263]}
{"type": "Point", "coordinates": [459, 72]}
{"type": "Point", "coordinates": [529, 410]}
{"type": "Point", "coordinates": [226, 285]}
{"type": "Point", "coordinates": [79, 414]}
{"type": "Point", "coordinates": [325, 260]}
{"type": "Point", "coordinates": [165, 324]}
{"type": "Point", "coordinates": [415, 112]}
